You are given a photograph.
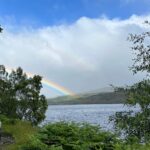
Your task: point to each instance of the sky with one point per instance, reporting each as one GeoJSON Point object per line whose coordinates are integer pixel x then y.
{"type": "Point", "coordinates": [79, 44]}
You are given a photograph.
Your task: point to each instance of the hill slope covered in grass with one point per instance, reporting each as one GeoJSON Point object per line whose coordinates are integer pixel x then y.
{"type": "Point", "coordinates": [90, 98]}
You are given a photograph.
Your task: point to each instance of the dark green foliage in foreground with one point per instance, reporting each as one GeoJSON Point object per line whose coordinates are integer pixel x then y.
{"type": "Point", "coordinates": [20, 96]}
{"type": "Point", "coordinates": [62, 136]}
{"type": "Point", "coordinates": [71, 136]}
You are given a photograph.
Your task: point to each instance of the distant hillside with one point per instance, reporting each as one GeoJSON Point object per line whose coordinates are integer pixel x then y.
{"type": "Point", "coordinates": [90, 98]}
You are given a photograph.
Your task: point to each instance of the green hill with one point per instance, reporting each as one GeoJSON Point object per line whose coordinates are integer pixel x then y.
{"type": "Point", "coordinates": [90, 98]}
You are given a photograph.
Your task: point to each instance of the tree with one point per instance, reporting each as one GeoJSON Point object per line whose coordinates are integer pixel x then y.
{"type": "Point", "coordinates": [6, 95]}
{"type": "Point", "coordinates": [141, 48]}
{"type": "Point", "coordinates": [136, 125]}
{"type": "Point", "coordinates": [20, 96]}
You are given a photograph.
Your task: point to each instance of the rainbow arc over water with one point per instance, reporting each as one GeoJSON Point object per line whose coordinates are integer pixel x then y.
{"type": "Point", "coordinates": [52, 85]}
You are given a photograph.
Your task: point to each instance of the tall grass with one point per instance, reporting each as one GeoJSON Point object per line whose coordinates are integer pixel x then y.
{"type": "Point", "coordinates": [21, 131]}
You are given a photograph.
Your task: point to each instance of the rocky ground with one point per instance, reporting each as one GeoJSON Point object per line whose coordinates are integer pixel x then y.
{"type": "Point", "coordinates": [6, 138]}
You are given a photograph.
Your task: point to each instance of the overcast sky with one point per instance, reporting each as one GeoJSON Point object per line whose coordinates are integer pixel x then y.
{"type": "Point", "coordinates": [81, 46]}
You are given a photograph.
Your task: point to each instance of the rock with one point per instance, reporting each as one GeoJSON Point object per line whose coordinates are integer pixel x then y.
{"type": "Point", "coordinates": [6, 138]}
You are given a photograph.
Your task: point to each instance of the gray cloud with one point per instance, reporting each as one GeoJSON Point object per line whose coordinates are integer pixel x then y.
{"type": "Point", "coordinates": [86, 55]}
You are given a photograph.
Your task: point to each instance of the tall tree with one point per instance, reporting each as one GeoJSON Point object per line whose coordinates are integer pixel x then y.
{"type": "Point", "coordinates": [23, 95]}
{"type": "Point", "coordinates": [136, 125]}
{"type": "Point", "coordinates": [7, 100]}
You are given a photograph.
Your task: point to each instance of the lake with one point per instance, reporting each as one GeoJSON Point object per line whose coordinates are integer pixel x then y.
{"type": "Point", "coordinates": [97, 114]}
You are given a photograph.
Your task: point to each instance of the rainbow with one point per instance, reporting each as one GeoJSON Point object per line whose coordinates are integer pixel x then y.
{"type": "Point", "coordinates": [52, 85]}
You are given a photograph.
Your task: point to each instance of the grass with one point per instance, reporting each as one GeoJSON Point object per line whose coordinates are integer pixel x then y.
{"type": "Point", "coordinates": [21, 132]}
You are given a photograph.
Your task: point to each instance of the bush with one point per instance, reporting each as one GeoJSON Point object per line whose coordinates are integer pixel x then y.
{"type": "Point", "coordinates": [6, 120]}
{"type": "Point", "coordinates": [72, 136]}
{"type": "Point", "coordinates": [135, 125]}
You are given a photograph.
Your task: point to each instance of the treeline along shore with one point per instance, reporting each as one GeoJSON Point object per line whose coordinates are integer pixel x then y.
{"type": "Point", "coordinates": [92, 98]}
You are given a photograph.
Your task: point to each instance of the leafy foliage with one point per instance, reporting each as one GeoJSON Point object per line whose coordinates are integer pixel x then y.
{"type": "Point", "coordinates": [141, 49]}
{"type": "Point", "coordinates": [20, 96]}
{"type": "Point", "coordinates": [72, 136]}
{"type": "Point", "coordinates": [136, 125]}
{"type": "Point", "coordinates": [60, 136]}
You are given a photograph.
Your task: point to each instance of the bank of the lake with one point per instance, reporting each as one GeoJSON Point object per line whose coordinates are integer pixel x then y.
{"type": "Point", "coordinates": [66, 135]}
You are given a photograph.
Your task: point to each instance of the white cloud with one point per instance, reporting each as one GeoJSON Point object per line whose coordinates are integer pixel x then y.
{"type": "Point", "coordinates": [83, 56]}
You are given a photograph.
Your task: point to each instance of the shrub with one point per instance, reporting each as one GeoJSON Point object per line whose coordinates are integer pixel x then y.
{"type": "Point", "coordinates": [72, 136]}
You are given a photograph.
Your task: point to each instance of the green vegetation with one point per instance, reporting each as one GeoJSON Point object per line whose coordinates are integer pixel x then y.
{"type": "Point", "coordinates": [64, 136]}
{"type": "Point", "coordinates": [72, 136]}
{"type": "Point", "coordinates": [136, 125]}
{"type": "Point", "coordinates": [20, 130]}
{"type": "Point", "coordinates": [92, 98]}
{"type": "Point", "coordinates": [20, 96]}
{"type": "Point", "coordinates": [21, 101]}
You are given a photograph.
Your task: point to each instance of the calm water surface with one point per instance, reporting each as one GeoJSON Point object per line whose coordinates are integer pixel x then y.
{"type": "Point", "coordinates": [95, 113]}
